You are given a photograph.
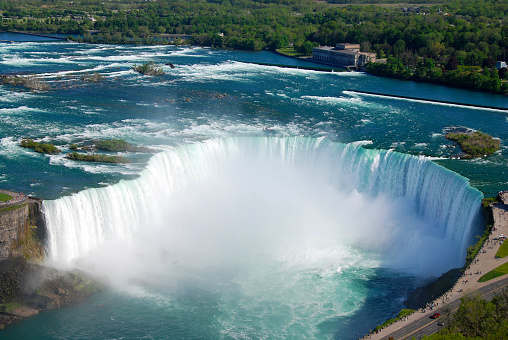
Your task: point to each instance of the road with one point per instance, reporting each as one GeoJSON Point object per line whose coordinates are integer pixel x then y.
{"type": "Point", "coordinates": [428, 326]}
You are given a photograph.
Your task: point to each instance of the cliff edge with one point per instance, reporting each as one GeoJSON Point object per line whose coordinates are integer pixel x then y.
{"type": "Point", "coordinates": [26, 286]}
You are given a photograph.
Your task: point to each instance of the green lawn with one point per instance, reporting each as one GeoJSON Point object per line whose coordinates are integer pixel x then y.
{"type": "Point", "coordinates": [290, 51]}
{"type": "Point", "coordinates": [4, 197]}
{"type": "Point", "coordinates": [503, 250]}
{"type": "Point", "coordinates": [499, 271]}
{"type": "Point", "coordinates": [402, 314]}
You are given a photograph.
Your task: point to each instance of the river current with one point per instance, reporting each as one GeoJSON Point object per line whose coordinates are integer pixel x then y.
{"type": "Point", "coordinates": [277, 202]}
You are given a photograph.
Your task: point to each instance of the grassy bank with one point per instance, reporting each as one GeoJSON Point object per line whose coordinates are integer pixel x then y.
{"type": "Point", "coordinates": [473, 250]}
{"type": "Point", "coordinates": [503, 250]}
{"type": "Point", "coordinates": [5, 197]}
{"type": "Point", "coordinates": [499, 271]}
{"type": "Point", "coordinates": [290, 52]}
{"type": "Point", "coordinates": [2, 210]}
{"type": "Point", "coordinates": [402, 314]}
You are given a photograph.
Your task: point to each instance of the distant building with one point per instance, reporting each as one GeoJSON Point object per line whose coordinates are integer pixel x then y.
{"type": "Point", "coordinates": [500, 64]}
{"type": "Point", "coordinates": [343, 54]}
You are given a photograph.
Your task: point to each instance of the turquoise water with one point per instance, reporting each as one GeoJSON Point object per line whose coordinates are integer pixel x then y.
{"type": "Point", "coordinates": [20, 37]}
{"type": "Point", "coordinates": [233, 244]}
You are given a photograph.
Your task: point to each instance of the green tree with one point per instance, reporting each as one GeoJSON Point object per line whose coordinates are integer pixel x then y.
{"type": "Point", "coordinates": [306, 47]}
{"type": "Point", "coordinates": [475, 317]}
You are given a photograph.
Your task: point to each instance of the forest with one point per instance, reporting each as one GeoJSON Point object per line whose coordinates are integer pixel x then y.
{"type": "Point", "coordinates": [451, 42]}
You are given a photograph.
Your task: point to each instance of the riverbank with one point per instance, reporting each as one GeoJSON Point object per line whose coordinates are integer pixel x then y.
{"type": "Point", "coordinates": [484, 262]}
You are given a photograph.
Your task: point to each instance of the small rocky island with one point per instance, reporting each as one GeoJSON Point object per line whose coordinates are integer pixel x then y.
{"type": "Point", "coordinates": [149, 69]}
{"type": "Point", "coordinates": [108, 145]}
{"type": "Point", "coordinates": [29, 82]}
{"type": "Point", "coordinates": [475, 143]}
{"type": "Point", "coordinates": [96, 157]}
{"type": "Point", "coordinates": [46, 148]}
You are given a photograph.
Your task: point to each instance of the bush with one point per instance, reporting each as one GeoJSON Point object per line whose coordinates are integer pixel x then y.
{"type": "Point", "coordinates": [119, 145]}
{"type": "Point", "coordinates": [475, 144]}
{"type": "Point", "coordinates": [96, 158]}
{"type": "Point", "coordinates": [113, 145]}
{"type": "Point", "coordinates": [150, 69]}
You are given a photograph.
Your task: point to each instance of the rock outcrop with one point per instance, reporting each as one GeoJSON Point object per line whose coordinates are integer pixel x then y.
{"type": "Point", "coordinates": [22, 230]}
{"type": "Point", "coordinates": [26, 286]}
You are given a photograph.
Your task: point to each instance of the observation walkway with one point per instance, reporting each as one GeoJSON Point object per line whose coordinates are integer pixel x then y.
{"type": "Point", "coordinates": [419, 323]}
{"type": "Point", "coordinates": [18, 198]}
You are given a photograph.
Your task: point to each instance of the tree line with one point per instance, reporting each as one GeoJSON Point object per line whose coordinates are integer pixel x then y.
{"type": "Point", "coordinates": [477, 318]}
{"type": "Point", "coordinates": [433, 42]}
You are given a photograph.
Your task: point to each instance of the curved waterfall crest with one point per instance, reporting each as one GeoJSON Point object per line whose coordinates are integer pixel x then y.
{"type": "Point", "coordinates": [80, 222]}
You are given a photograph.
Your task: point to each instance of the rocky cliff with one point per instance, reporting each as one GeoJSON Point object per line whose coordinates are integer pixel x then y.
{"type": "Point", "coordinates": [26, 286]}
{"type": "Point", "coordinates": [22, 230]}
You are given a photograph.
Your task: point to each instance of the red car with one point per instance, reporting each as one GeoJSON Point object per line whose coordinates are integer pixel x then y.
{"type": "Point", "coordinates": [435, 315]}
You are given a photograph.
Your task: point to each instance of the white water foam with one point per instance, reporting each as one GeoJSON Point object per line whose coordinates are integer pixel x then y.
{"type": "Point", "coordinates": [414, 215]}
{"type": "Point", "coordinates": [276, 236]}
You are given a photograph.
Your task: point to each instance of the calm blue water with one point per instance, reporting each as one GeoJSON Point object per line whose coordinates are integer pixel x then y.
{"type": "Point", "coordinates": [215, 94]}
{"type": "Point", "coordinates": [20, 37]}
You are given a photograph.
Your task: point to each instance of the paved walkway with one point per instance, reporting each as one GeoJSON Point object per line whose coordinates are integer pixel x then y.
{"type": "Point", "coordinates": [484, 262]}
{"type": "Point", "coordinates": [17, 198]}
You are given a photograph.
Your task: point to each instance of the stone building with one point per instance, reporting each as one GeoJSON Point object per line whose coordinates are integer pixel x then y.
{"type": "Point", "coordinates": [343, 54]}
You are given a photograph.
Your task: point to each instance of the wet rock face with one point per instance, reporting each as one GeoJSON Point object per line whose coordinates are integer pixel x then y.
{"type": "Point", "coordinates": [27, 288]}
{"type": "Point", "coordinates": [22, 230]}
{"type": "Point", "coordinates": [11, 222]}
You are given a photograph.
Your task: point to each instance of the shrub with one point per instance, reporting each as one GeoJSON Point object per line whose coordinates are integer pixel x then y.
{"type": "Point", "coordinates": [150, 69]}
{"type": "Point", "coordinates": [47, 148]}
{"type": "Point", "coordinates": [96, 158]}
{"type": "Point", "coordinates": [113, 145]}
{"type": "Point", "coordinates": [475, 144]}
{"type": "Point", "coordinates": [119, 145]}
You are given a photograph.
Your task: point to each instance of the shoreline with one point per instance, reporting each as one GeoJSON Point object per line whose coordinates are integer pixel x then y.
{"type": "Point", "coordinates": [336, 68]}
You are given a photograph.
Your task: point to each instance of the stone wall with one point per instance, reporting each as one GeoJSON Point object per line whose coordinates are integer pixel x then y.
{"type": "Point", "coordinates": [18, 224]}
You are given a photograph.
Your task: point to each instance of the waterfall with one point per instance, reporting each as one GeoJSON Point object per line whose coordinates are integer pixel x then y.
{"type": "Point", "coordinates": [79, 223]}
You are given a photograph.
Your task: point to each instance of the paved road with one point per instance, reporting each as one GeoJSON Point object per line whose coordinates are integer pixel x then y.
{"type": "Point", "coordinates": [428, 326]}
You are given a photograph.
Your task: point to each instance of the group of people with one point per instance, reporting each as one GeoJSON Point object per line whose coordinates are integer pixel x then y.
{"type": "Point", "coordinates": [19, 197]}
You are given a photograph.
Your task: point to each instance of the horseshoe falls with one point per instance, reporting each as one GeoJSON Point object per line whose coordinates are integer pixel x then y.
{"type": "Point", "coordinates": [273, 203]}
{"type": "Point", "coordinates": [268, 218]}
{"type": "Point", "coordinates": [316, 169]}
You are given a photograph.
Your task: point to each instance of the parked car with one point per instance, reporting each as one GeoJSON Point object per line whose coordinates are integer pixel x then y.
{"type": "Point", "coordinates": [435, 315]}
